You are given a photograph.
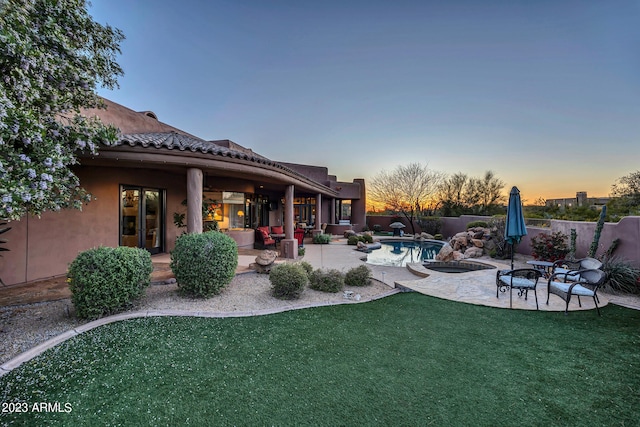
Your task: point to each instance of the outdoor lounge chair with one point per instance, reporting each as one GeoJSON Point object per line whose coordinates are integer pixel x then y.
{"type": "Point", "coordinates": [263, 239]}
{"type": "Point", "coordinates": [587, 286]}
{"type": "Point", "coordinates": [523, 279]}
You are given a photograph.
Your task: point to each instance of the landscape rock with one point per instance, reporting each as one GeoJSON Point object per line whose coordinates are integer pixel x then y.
{"type": "Point", "coordinates": [445, 254]}
{"type": "Point", "coordinates": [478, 243]}
{"type": "Point", "coordinates": [473, 252]}
{"type": "Point", "coordinates": [264, 261]}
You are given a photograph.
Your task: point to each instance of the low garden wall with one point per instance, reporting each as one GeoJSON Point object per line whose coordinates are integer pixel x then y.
{"type": "Point", "coordinates": [627, 231]}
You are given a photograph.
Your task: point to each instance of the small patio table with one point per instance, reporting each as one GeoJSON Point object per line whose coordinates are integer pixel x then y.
{"type": "Point", "coordinates": [277, 237]}
{"type": "Point", "coordinates": [545, 267]}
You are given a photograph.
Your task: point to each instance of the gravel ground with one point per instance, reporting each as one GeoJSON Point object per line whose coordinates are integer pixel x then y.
{"type": "Point", "coordinates": [25, 326]}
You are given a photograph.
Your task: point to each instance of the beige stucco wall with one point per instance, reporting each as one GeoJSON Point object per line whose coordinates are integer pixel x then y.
{"type": "Point", "coordinates": [627, 230]}
{"type": "Point", "coordinates": [43, 247]}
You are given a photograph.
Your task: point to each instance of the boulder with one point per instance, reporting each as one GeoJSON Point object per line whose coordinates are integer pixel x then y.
{"type": "Point", "coordinates": [445, 254]}
{"type": "Point", "coordinates": [473, 252]}
{"type": "Point", "coordinates": [457, 256]}
{"type": "Point", "coordinates": [266, 257]}
{"type": "Point", "coordinates": [426, 236]}
{"type": "Point", "coordinates": [478, 243]}
{"type": "Point", "coordinates": [349, 233]}
{"type": "Point", "coordinates": [265, 260]}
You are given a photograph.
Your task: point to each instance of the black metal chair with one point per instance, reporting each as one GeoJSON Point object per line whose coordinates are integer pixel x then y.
{"type": "Point", "coordinates": [587, 285]}
{"type": "Point", "coordinates": [571, 267]}
{"type": "Point", "coordinates": [523, 279]}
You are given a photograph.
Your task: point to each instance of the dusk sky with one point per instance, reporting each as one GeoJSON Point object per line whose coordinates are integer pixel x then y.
{"type": "Point", "coordinates": [544, 93]}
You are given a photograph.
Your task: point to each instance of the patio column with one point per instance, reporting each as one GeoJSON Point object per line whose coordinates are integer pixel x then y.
{"type": "Point", "coordinates": [289, 244]}
{"type": "Point", "coordinates": [318, 228]}
{"type": "Point", "coordinates": [332, 214]}
{"type": "Point", "coordinates": [194, 200]}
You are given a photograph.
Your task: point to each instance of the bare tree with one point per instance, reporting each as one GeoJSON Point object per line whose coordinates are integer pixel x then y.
{"type": "Point", "coordinates": [626, 194]}
{"type": "Point", "coordinates": [462, 194]}
{"type": "Point", "coordinates": [406, 190]}
{"type": "Point", "coordinates": [490, 187]}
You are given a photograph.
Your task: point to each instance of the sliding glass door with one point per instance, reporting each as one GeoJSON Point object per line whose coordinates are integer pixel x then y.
{"type": "Point", "coordinates": [142, 218]}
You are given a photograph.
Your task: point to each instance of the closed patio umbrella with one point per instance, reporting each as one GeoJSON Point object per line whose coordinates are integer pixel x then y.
{"type": "Point", "coordinates": [515, 227]}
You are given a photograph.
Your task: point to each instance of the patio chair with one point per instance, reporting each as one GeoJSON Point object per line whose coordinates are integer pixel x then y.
{"type": "Point", "coordinates": [587, 286]}
{"type": "Point", "coordinates": [523, 279]}
{"type": "Point", "coordinates": [570, 268]}
{"type": "Point", "coordinates": [263, 239]}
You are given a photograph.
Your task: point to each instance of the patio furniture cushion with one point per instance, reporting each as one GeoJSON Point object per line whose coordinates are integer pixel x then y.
{"type": "Point", "coordinates": [523, 279]}
{"type": "Point", "coordinates": [590, 281]}
{"type": "Point", "coordinates": [577, 290]}
{"type": "Point", "coordinates": [565, 274]}
{"type": "Point", "coordinates": [263, 238]}
{"type": "Point", "coordinates": [518, 282]}
{"type": "Point", "coordinates": [277, 229]}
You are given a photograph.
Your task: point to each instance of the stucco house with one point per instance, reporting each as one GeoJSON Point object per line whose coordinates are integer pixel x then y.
{"type": "Point", "coordinates": [156, 171]}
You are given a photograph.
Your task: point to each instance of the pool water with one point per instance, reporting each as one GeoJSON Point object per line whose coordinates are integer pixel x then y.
{"type": "Point", "coordinates": [397, 253]}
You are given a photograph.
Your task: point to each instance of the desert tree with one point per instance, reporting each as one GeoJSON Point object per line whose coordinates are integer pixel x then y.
{"type": "Point", "coordinates": [490, 191]}
{"type": "Point", "coordinates": [461, 194]}
{"type": "Point", "coordinates": [625, 193]}
{"type": "Point", "coordinates": [53, 56]}
{"type": "Point", "coordinates": [406, 190]}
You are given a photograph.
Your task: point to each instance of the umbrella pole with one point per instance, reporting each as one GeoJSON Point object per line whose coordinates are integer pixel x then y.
{"type": "Point", "coordinates": [510, 288]}
{"type": "Point", "coordinates": [513, 246]}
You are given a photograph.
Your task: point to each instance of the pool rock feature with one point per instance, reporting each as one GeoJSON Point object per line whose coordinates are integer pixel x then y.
{"type": "Point", "coordinates": [456, 266]}
{"type": "Point", "coordinates": [467, 244]}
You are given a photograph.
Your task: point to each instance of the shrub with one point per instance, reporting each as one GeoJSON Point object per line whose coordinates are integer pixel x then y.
{"type": "Point", "coordinates": [377, 228]}
{"type": "Point", "coordinates": [288, 280]}
{"type": "Point", "coordinates": [308, 268]}
{"type": "Point", "coordinates": [353, 240]}
{"type": "Point", "coordinates": [438, 237]}
{"type": "Point", "coordinates": [621, 276]}
{"type": "Point", "coordinates": [549, 247]}
{"type": "Point", "coordinates": [326, 280]}
{"type": "Point", "coordinates": [358, 276]}
{"type": "Point", "coordinates": [497, 225]}
{"type": "Point", "coordinates": [474, 224]}
{"type": "Point", "coordinates": [204, 263]}
{"type": "Point", "coordinates": [322, 239]}
{"type": "Point", "coordinates": [430, 224]}
{"type": "Point", "coordinates": [107, 280]}
{"type": "Point", "coordinates": [301, 251]}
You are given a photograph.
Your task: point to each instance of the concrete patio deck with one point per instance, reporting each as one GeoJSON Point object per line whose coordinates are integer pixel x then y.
{"type": "Point", "coordinates": [474, 287]}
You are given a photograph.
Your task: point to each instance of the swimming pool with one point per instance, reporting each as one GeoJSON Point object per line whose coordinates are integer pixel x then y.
{"type": "Point", "coordinates": [398, 253]}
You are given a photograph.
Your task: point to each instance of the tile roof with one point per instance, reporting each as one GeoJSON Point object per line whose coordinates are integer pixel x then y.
{"type": "Point", "coordinates": [174, 140]}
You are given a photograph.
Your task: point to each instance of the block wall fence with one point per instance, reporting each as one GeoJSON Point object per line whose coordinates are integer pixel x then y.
{"type": "Point", "coordinates": [627, 231]}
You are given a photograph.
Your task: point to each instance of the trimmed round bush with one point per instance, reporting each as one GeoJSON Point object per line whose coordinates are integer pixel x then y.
{"type": "Point", "coordinates": [308, 268]}
{"type": "Point", "coordinates": [353, 240]}
{"type": "Point", "coordinates": [367, 238]}
{"type": "Point", "coordinates": [288, 280]}
{"type": "Point", "coordinates": [204, 263]}
{"type": "Point", "coordinates": [358, 276]}
{"type": "Point", "coordinates": [106, 280]}
{"type": "Point", "coordinates": [326, 280]}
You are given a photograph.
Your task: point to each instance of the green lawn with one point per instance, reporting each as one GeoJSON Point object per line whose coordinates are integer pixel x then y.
{"type": "Point", "coordinates": [408, 359]}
